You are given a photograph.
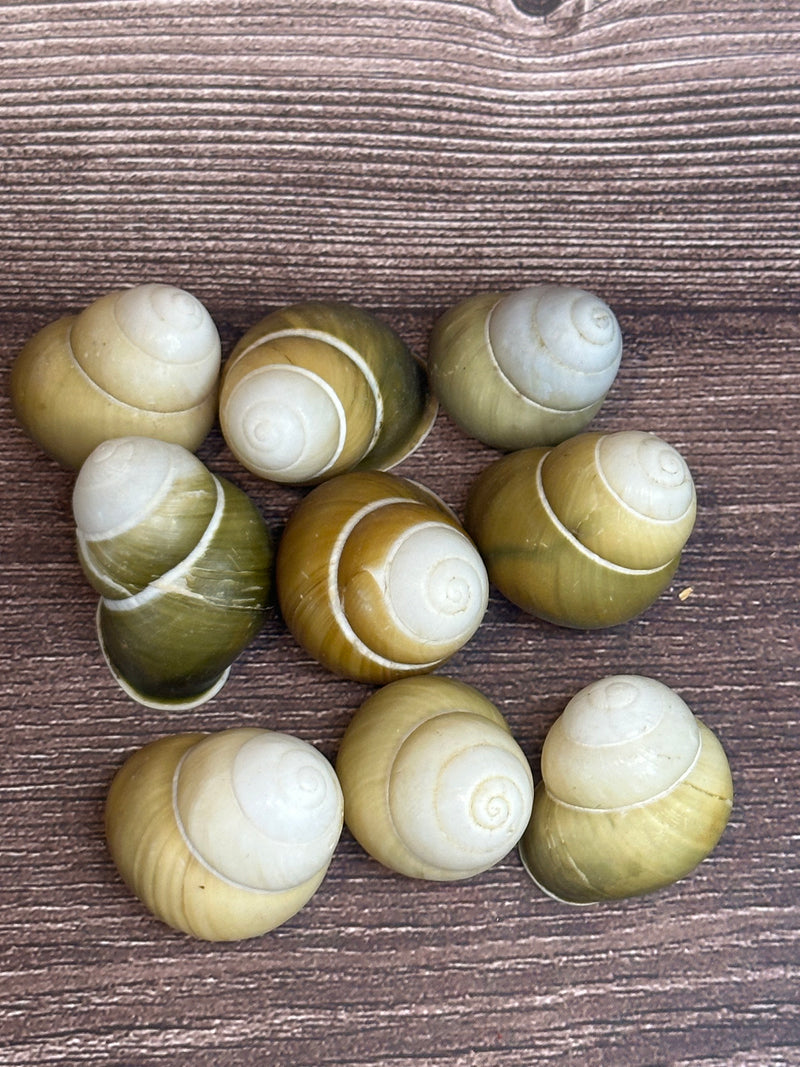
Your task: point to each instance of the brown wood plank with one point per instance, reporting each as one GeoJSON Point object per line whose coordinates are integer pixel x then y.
{"type": "Point", "coordinates": [402, 156]}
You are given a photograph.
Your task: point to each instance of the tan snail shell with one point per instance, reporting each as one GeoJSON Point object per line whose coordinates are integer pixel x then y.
{"type": "Point", "coordinates": [587, 534]}
{"type": "Point", "coordinates": [317, 389]}
{"type": "Point", "coordinates": [526, 368]}
{"type": "Point", "coordinates": [377, 579]}
{"type": "Point", "coordinates": [434, 784]}
{"type": "Point", "coordinates": [182, 560]}
{"type": "Point", "coordinates": [143, 360]}
{"type": "Point", "coordinates": [224, 836]}
{"type": "Point", "coordinates": [636, 792]}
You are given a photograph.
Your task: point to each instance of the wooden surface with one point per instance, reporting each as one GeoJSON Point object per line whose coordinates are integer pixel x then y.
{"type": "Point", "coordinates": [401, 156]}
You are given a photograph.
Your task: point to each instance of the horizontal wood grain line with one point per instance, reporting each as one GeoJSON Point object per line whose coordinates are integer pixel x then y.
{"type": "Point", "coordinates": [291, 20]}
{"type": "Point", "coordinates": [605, 77]}
{"type": "Point", "coordinates": [297, 93]}
{"type": "Point", "coordinates": [456, 140]}
{"type": "Point", "coordinates": [429, 23]}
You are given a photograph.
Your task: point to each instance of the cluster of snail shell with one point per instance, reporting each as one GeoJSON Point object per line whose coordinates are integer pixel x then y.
{"type": "Point", "coordinates": [227, 835]}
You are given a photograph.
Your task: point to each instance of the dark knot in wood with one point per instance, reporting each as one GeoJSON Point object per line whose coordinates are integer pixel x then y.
{"type": "Point", "coordinates": [537, 7]}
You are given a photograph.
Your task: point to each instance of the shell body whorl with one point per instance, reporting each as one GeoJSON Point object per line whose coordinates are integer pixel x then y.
{"type": "Point", "coordinates": [635, 792]}
{"type": "Point", "coordinates": [525, 368]}
{"type": "Point", "coordinates": [182, 560]}
{"type": "Point", "coordinates": [317, 389]}
{"type": "Point", "coordinates": [224, 836]}
{"type": "Point", "coordinates": [377, 579]}
{"type": "Point", "coordinates": [587, 534]}
{"type": "Point", "coordinates": [143, 360]}
{"type": "Point", "coordinates": [435, 786]}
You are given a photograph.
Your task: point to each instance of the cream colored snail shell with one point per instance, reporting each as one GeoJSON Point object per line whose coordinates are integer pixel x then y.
{"type": "Point", "coordinates": [377, 579]}
{"type": "Point", "coordinates": [224, 836]}
{"type": "Point", "coordinates": [635, 793]}
{"type": "Point", "coordinates": [182, 560]}
{"type": "Point", "coordinates": [317, 389]}
{"type": "Point", "coordinates": [587, 534]}
{"type": "Point", "coordinates": [434, 784]}
{"type": "Point", "coordinates": [526, 368]}
{"type": "Point", "coordinates": [143, 360]}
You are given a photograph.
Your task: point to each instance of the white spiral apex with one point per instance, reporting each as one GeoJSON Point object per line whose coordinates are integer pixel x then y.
{"type": "Point", "coordinates": [437, 585]}
{"type": "Point", "coordinates": [620, 741]}
{"type": "Point", "coordinates": [277, 798]}
{"type": "Point", "coordinates": [647, 474]}
{"type": "Point", "coordinates": [460, 794]}
{"type": "Point", "coordinates": [287, 421]}
{"type": "Point", "coordinates": [558, 346]}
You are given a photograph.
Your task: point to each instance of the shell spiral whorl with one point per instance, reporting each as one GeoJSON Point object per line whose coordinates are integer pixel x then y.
{"type": "Point", "coordinates": [224, 836]}
{"type": "Point", "coordinates": [143, 360]}
{"type": "Point", "coordinates": [317, 389]}
{"type": "Point", "coordinates": [377, 579]}
{"type": "Point", "coordinates": [526, 368]}
{"type": "Point", "coordinates": [434, 784]}
{"type": "Point", "coordinates": [587, 534]}
{"type": "Point", "coordinates": [477, 792]}
{"type": "Point", "coordinates": [635, 792]}
{"type": "Point", "coordinates": [182, 560]}
{"type": "Point", "coordinates": [284, 826]}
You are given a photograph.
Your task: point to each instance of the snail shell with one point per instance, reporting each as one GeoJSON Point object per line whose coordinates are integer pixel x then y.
{"type": "Point", "coordinates": [182, 560]}
{"type": "Point", "coordinates": [526, 368]}
{"type": "Point", "coordinates": [377, 579]}
{"type": "Point", "coordinates": [586, 534]}
{"type": "Point", "coordinates": [224, 836]}
{"type": "Point", "coordinates": [317, 389]}
{"type": "Point", "coordinates": [434, 784]}
{"type": "Point", "coordinates": [636, 792]}
{"type": "Point", "coordinates": [142, 361]}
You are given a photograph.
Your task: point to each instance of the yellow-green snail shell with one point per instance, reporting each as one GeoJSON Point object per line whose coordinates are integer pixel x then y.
{"type": "Point", "coordinates": [182, 560]}
{"type": "Point", "coordinates": [224, 836]}
{"type": "Point", "coordinates": [434, 784]}
{"type": "Point", "coordinates": [635, 793]}
{"type": "Point", "coordinates": [317, 389]}
{"type": "Point", "coordinates": [526, 368]}
{"type": "Point", "coordinates": [143, 360]}
{"type": "Point", "coordinates": [587, 534]}
{"type": "Point", "coordinates": [377, 579]}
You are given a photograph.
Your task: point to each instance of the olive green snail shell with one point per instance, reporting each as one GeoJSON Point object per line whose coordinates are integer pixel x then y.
{"type": "Point", "coordinates": [635, 792]}
{"type": "Point", "coordinates": [317, 389]}
{"type": "Point", "coordinates": [587, 534]}
{"type": "Point", "coordinates": [182, 560]}
{"type": "Point", "coordinates": [525, 368]}
{"type": "Point", "coordinates": [224, 836]}
{"type": "Point", "coordinates": [434, 784]}
{"type": "Point", "coordinates": [143, 360]}
{"type": "Point", "coordinates": [377, 579]}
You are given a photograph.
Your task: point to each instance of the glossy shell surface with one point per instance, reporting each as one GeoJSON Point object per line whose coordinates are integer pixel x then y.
{"type": "Point", "coordinates": [635, 792]}
{"type": "Point", "coordinates": [182, 560]}
{"type": "Point", "coordinates": [525, 368]}
{"type": "Point", "coordinates": [435, 786]}
{"type": "Point", "coordinates": [377, 579]}
{"type": "Point", "coordinates": [144, 361]}
{"type": "Point", "coordinates": [317, 389]}
{"type": "Point", "coordinates": [587, 534]}
{"type": "Point", "coordinates": [224, 836]}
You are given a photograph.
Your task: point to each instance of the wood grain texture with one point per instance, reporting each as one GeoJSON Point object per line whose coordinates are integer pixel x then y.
{"type": "Point", "coordinates": [403, 155]}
